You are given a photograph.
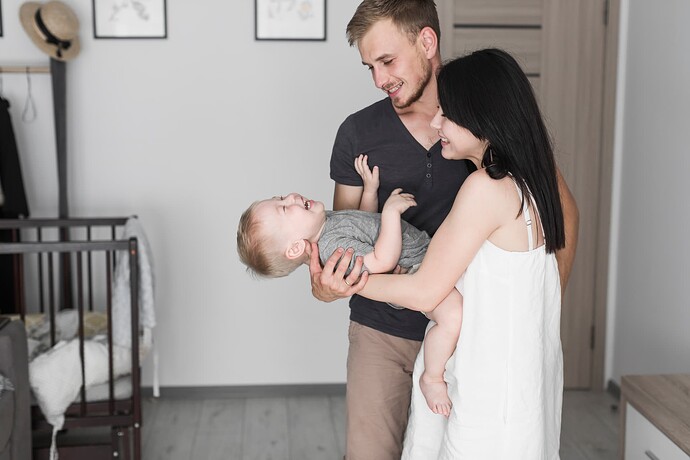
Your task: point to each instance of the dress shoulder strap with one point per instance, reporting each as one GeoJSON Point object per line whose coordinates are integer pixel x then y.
{"type": "Point", "coordinates": [527, 217]}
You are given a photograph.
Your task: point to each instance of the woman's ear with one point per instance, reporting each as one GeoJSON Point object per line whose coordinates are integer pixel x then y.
{"type": "Point", "coordinates": [429, 41]}
{"type": "Point", "coordinates": [296, 249]}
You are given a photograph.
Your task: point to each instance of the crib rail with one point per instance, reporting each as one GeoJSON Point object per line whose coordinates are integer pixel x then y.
{"type": "Point", "coordinates": [69, 263]}
{"type": "Point", "coordinates": [57, 222]}
{"type": "Point", "coordinates": [64, 233]}
{"type": "Point", "coordinates": [66, 246]}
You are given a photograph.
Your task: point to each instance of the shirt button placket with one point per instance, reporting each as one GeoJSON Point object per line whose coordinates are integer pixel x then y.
{"type": "Point", "coordinates": [428, 168]}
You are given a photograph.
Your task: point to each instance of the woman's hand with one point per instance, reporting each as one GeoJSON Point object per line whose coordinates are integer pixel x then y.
{"type": "Point", "coordinates": [330, 283]}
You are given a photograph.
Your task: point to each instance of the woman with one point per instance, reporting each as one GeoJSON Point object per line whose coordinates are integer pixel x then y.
{"type": "Point", "coordinates": [497, 245]}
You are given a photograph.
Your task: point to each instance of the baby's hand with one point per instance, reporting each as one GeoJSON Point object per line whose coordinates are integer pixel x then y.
{"type": "Point", "coordinates": [399, 202]}
{"type": "Point", "coordinates": [369, 176]}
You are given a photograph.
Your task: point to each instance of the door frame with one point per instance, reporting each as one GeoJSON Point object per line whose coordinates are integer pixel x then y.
{"type": "Point", "coordinates": [608, 121]}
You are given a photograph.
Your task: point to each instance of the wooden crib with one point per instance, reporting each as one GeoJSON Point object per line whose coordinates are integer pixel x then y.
{"type": "Point", "coordinates": [65, 268]}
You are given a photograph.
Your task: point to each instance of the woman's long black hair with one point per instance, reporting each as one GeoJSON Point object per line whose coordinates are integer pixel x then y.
{"type": "Point", "coordinates": [487, 93]}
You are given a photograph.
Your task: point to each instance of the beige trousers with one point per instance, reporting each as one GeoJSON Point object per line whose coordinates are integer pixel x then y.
{"type": "Point", "coordinates": [379, 385]}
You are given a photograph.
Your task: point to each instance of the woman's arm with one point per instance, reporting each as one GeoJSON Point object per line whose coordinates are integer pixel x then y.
{"type": "Point", "coordinates": [479, 209]}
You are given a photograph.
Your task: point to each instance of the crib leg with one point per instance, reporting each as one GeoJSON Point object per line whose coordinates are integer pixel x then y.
{"type": "Point", "coordinates": [121, 444]}
{"type": "Point", "coordinates": [126, 443]}
{"type": "Point", "coordinates": [115, 442]}
{"type": "Point", "coordinates": [116, 437]}
{"type": "Point", "coordinates": [136, 430]}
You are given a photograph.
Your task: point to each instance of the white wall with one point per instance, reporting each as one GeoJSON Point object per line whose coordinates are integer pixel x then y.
{"type": "Point", "coordinates": [650, 307]}
{"type": "Point", "coordinates": [186, 132]}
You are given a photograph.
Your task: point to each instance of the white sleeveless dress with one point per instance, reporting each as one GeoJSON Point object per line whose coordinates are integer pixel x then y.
{"type": "Point", "coordinates": [505, 379]}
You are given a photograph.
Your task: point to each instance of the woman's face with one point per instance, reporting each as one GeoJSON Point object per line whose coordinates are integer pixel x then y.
{"type": "Point", "coordinates": [458, 143]}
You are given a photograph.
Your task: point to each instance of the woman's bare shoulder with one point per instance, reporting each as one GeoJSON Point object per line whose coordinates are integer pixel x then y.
{"type": "Point", "coordinates": [480, 186]}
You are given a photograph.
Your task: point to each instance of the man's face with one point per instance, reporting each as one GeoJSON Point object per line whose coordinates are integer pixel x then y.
{"type": "Point", "coordinates": [397, 66]}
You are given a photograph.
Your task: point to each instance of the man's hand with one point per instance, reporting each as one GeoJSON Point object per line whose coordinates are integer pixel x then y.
{"type": "Point", "coordinates": [330, 283]}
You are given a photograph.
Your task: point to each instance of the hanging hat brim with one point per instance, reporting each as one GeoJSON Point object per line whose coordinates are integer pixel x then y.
{"type": "Point", "coordinates": [27, 14]}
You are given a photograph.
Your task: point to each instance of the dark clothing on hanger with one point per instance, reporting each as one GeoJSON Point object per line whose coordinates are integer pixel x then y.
{"type": "Point", "coordinates": [15, 204]}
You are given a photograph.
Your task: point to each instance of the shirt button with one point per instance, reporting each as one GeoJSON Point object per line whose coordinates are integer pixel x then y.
{"type": "Point", "coordinates": [428, 175]}
{"type": "Point", "coordinates": [428, 165]}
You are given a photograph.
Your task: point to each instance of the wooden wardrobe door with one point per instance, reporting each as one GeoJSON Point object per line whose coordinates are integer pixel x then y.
{"type": "Point", "coordinates": [561, 46]}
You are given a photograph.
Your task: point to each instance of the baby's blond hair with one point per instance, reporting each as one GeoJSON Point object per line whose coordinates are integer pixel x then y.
{"type": "Point", "coordinates": [258, 248]}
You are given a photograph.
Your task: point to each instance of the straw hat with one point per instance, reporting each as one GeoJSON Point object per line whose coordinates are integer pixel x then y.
{"type": "Point", "coordinates": [53, 27]}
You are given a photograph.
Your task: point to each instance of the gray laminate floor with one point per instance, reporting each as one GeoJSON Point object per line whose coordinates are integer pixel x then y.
{"type": "Point", "coordinates": [313, 428]}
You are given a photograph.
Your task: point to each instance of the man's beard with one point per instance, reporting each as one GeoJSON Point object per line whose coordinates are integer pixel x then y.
{"type": "Point", "coordinates": [419, 90]}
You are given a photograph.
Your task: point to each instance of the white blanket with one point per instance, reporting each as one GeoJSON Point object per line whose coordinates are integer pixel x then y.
{"type": "Point", "coordinates": [56, 374]}
{"type": "Point", "coordinates": [122, 324]}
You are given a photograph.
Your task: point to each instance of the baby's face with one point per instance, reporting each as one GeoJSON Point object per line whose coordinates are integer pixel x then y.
{"type": "Point", "coordinates": [293, 216]}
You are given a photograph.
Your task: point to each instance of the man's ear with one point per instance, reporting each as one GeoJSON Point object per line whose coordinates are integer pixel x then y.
{"type": "Point", "coordinates": [296, 249]}
{"type": "Point", "coordinates": [429, 41]}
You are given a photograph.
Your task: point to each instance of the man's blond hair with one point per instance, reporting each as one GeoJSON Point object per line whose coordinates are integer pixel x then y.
{"type": "Point", "coordinates": [411, 16]}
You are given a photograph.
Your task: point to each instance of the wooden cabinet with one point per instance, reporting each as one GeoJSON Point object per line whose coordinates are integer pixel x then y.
{"type": "Point", "coordinates": [655, 417]}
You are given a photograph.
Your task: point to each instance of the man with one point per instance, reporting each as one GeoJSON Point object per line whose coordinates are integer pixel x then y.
{"type": "Point", "coordinates": [398, 40]}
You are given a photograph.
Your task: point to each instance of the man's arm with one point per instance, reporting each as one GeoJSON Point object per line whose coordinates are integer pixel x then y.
{"type": "Point", "coordinates": [347, 197]}
{"type": "Point", "coordinates": [571, 220]}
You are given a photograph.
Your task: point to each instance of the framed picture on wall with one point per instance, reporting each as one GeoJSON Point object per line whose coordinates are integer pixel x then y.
{"type": "Point", "coordinates": [290, 20]}
{"type": "Point", "coordinates": [129, 19]}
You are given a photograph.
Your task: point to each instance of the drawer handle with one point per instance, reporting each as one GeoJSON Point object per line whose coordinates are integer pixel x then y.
{"type": "Point", "coordinates": [651, 455]}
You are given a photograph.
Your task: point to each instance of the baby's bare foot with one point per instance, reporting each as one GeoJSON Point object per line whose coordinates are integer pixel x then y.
{"type": "Point", "coordinates": [435, 392]}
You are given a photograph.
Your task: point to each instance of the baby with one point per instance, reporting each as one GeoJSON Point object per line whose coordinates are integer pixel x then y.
{"type": "Point", "coordinates": [274, 238]}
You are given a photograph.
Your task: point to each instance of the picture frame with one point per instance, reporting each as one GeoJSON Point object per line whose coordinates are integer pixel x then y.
{"type": "Point", "coordinates": [298, 20]}
{"type": "Point", "coordinates": [130, 19]}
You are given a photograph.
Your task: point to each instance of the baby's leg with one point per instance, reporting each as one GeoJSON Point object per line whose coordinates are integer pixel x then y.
{"type": "Point", "coordinates": [439, 345]}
